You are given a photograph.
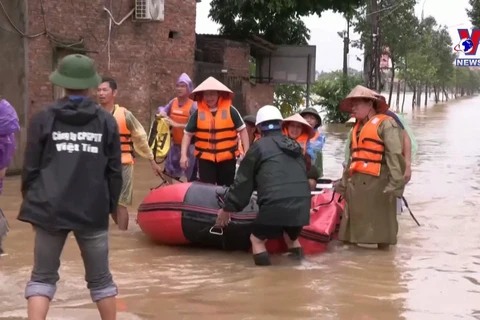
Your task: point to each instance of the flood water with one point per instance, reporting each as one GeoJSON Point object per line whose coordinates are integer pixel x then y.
{"type": "Point", "coordinates": [433, 272]}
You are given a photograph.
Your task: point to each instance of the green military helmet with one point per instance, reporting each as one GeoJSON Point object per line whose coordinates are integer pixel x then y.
{"type": "Point", "coordinates": [314, 113]}
{"type": "Point", "coordinates": [250, 119]}
{"type": "Point", "coordinates": [76, 72]}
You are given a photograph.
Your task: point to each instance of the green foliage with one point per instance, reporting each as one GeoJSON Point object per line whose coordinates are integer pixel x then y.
{"type": "Point", "coordinates": [421, 51]}
{"type": "Point", "coordinates": [474, 13]}
{"type": "Point", "coordinates": [289, 98]}
{"type": "Point", "coordinates": [329, 91]}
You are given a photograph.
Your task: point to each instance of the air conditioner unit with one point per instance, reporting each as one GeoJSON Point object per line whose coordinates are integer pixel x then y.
{"type": "Point", "coordinates": [149, 10]}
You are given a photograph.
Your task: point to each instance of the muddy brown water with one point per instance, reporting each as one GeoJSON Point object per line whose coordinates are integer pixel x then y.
{"type": "Point", "coordinates": [433, 273]}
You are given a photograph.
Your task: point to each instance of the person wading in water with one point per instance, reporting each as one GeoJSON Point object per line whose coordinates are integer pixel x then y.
{"type": "Point", "coordinates": [177, 112]}
{"type": "Point", "coordinates": [275, 166]}
{"type": "Point", "coordinates": [374, 175]}
{"type": "Point", "coordinates": [8, 126]}
{"type": "Point", "coordinates": [215, 126]}
{"type": "Point", "coordinates": [133, 139]}
{"type": "Point", "coordinates": [71, 181]}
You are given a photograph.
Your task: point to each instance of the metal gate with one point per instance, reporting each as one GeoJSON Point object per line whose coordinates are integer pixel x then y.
{"type": "Point", "coordinates": [203, 70]}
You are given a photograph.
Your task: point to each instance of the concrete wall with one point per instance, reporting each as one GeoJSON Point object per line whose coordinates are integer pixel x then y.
{"type": "Point", "coordinates": [13, 68]}
{"type": "Point", "coordinates": [143, 59]}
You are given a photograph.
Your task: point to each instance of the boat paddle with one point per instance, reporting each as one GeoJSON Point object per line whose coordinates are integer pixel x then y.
{"type": "Point", "coordinates": [410, 211]}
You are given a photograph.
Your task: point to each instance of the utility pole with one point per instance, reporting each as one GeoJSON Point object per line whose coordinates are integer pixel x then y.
{"type": "Point", "coordinates": [373, 83]}
{"type": "Point", "coordinates": [346, 47]}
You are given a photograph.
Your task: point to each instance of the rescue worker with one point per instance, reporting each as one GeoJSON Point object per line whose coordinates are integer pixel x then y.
{"type": "Point", "coordinates": [71, 181]}
{"type": "Point", "coordinates": [408, 138]}
{"type": "Point", "coordinates": [313, 118]}
{"type": "Point", "coordinates": [275, 167]}
{"type": "Point", "coordinates": [215, 126]}
{"type": "Point", "coordinates": [133, 139]}
{"type": "Point", "coordinates": [409, 147]}
{"type": "Point", "coordinates": [374, 175]}
{"type": "Point", "coordinates": [177, 112]}
{"type": "Point", "coordinates": [9, 124]}
{"type": "Point", "coordinates": [298, 129]}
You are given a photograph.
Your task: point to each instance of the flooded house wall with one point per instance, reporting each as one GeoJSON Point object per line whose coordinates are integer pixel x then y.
{"type": "Point", "coordinates": [13, 69]}
{"type": "Point", "coordinates": [235, 57]}
{"type": "Point", "coordinates": [146, 58]}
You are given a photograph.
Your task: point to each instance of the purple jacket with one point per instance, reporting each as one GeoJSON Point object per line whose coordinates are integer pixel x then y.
{"type": "Point", "coordinates": [8, 126]}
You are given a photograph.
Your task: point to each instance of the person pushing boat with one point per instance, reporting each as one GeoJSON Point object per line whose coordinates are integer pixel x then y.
{"type": "Point", "coordinates": [275, 167]}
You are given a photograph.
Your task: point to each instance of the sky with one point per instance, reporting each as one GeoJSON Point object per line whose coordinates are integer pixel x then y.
{"type": "Point", "coordinates": [323, 30]}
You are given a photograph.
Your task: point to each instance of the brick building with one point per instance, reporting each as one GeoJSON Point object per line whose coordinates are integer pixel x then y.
{"type": "Point", "coordinates": [146, 58]}
{"type": "Point", "coordinates": [230, 62]}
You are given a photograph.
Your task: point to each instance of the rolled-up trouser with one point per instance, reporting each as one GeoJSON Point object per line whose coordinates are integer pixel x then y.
{"type": "Point", "coordinates": [48, 249]}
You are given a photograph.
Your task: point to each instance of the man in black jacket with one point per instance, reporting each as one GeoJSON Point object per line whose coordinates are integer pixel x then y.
{"type": "Point", "coordinates": [71, 181]}
{"type": "Point", "coordinates": [275, 167]}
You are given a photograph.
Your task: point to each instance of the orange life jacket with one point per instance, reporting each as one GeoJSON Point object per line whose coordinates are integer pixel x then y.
{"type": "Point", "coordinates": [216, 137]}
{"type": "Point", "coordinates": [179, 115]}
{"type": "Point", "coordinates": [126, 143]}
{"type": "Point", "coordinates": [302, 141]}
{"type": "Point", "coordinates": [367, 148]}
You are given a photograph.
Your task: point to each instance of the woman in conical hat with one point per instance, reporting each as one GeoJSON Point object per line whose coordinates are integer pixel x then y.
{"type": "Point", "coordinates": [298, 129]}
{"type": "Point", "coordinates": [215, 126]}
{"type": "Point", "coordinates": [373, 177]}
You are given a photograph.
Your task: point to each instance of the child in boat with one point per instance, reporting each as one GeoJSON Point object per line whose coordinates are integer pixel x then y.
{"type": "Point", "coordinates": [318, 141]}
{"type": "Point", "coordinates": [275, 167]}
{"type": "Point", "coordinates": [8, 126]}
{"type": "Point", "coordinates": [298, 129]}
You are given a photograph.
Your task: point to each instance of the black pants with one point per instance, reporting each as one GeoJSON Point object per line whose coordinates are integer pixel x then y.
{"type": "Point", "coordinates": [264, 232]}
{"type": "Point", "coordinates": [219, 173]}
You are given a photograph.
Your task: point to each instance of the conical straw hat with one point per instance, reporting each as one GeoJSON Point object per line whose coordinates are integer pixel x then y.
{"type": "Point", "coordinates": [299, 119]}
{"type": "Point", "coordinates": [362, 92]}
{"type": "Point", "coordinates": [211, 84]}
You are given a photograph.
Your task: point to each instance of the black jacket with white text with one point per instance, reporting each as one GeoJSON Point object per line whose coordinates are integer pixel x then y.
{"type": "Point", "coordinates": [72, 172]}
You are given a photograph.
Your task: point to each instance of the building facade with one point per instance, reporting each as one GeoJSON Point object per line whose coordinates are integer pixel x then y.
{"type": "Point", "coordinates": [145, 57]}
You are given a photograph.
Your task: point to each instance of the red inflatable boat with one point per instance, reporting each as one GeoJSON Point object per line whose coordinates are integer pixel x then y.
{"type": "Point", "coordinates": [184, 214]}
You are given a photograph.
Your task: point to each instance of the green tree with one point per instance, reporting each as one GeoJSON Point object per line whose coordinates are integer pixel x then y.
{"type": "Point", "coordinates": [277, 21]}
{"type": "Point", "coordinates": [329, 91]}
{"type": "Point", "coordinates": [289, 98]}
{"type": "Point", "coordinates": [474, 13]}
{"type": "Point", "coordinates": [397, 32]}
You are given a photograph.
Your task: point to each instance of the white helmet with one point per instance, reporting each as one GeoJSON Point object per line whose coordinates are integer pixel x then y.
{"type": "Point", "coordinates": [268, 113]}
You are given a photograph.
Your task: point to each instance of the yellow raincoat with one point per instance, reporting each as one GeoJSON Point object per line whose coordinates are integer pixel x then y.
{"type": "Point", "coordinates": [141, 147]}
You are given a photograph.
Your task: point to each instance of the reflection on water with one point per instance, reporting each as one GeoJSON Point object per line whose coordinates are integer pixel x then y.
{"type": "Point", "coordinates": [431, 274]}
